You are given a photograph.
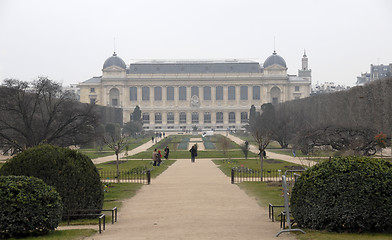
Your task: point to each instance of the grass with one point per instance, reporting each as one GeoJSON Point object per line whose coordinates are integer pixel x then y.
{"type": "Point", "coordinates": [323, 235]}
{"type": "Point", "coordinates": [271, 164]}
{"type": "Point", "coordinates": [63, 235]}
{"type": "Point", "coordinates": [185, 154]}
{"type": "Point", "coordinates": [128, 165]}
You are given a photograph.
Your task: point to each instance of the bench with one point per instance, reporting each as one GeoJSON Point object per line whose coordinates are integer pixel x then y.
{"type": "Point", "coordinates": [271, 210]}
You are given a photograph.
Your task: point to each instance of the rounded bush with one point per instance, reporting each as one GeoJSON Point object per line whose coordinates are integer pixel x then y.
{"type": "Point", "coordinates": [73, 174]}
{"type": "Point", "coordinates": [345, 194]}
{"type": "Point", "coordinates": [28, 207]}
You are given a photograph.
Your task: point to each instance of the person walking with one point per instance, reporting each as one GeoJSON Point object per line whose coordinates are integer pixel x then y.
{"type": "Point", "coordinates": [155, 157]}
{"type": "Point", "coordinates": [167, 150]}
{"type": "Point", "coordinates": [193, 151]}
{"type": "Point", "coordinates": [159, 158]}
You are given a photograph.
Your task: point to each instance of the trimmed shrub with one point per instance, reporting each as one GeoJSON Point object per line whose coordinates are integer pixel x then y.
{"type": "Point", "coordinates": [73, 174]}
{"type": "Point", "coordinates": [28, 207]}
{"type": "Point", "coordinates": [345, 194]}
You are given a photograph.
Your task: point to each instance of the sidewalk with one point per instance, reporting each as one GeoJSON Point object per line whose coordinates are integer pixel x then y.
{"type": "Point", "coordinates": [283, 157]}
{"type": "Point", "coordinates": [192, 201]}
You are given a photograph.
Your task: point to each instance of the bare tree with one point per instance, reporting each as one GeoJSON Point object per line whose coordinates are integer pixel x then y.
{"type": "Point", "coordinates": [39, 112]}
{"type": "Point", "coordinates": [117, 144]}
{"type": "Point", "coordinates": [261, 129]}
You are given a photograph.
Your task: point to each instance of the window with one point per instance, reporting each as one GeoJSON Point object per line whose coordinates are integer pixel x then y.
{"type": "Point", "coordinates": [207, 117]}
{"type": "Point", "coordinates": [244, 117]}
{"type": "Point", "coordinates": [158, 118]}
{"type": "Point", "coordinates": [244, 93]}
{"type": "Point", "coordinates": [133, 93]}
{"type": "Point", "coordinates": [92, 100]}
{"type": "Point", "coordinates": [194, 91]}
{"type": "Point", "coordinates": [182, 117]}
{"type": "Point", "coordinates": [146, 118]}
{"type": "Point", "coordinates": [92, 90]}
{"type": "Point", "coordinates": [231, 95]}
{"type": "Point", "coordinates": [158, 93]}
{"type": "Point", "coordinates": [182, 93]}
{"type": "Point", "coordinates": [219, 93]}
{"type": "Point", "coordinates": [206, 93]}
{"type": "Point", "coordinates": [219, 117]}
{"type": "Point", "coordinates": [231, 117]}
{"type": "Point", "coordinates": [170, 93]}
{"type": "Point", "coordinates": [145, 93]}
{"type": "Point", "coordinates": [275, 100]}
{"type": "Point", "coordinates": [256, 92]}
{"type": "Point", "coordinates": [114, 102]}
{"type": "Point", "coordinates": [195, 117]}
{"type": "Point", "coordinates": [297, 88]}
{"type": "Point", "coordinates": [170, 118]}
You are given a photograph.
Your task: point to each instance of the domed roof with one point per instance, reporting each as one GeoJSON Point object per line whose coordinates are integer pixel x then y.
{"type": "Point", "coordinates": [274, 59]}
{"type": "Point", "coordinates": [114, 61]}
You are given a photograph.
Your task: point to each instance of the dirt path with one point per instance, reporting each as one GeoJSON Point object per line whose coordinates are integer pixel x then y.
{"type": "Point", "coordinates": [192, 201]}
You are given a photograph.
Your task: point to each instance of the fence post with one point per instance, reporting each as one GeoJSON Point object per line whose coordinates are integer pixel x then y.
{"type": "Point", "coordinates": [232, 175]}
{"type": "Point", "coordinates": [148, 176]}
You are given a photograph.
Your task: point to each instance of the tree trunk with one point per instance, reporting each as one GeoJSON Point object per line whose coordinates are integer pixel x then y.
{"type": "Point", "coordinates": [118, 171]}
{"type": "Point", "coordinates": [261, 165]}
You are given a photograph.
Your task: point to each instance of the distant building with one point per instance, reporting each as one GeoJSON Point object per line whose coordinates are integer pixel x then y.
{"type": "Point", "coordinates": [180, 94]}
{"type": "Point", "coordinates": [74, 89]}
{"type": "Point", "coordinates": [328, 87]}
{"type": "Point", "coordinates": [376, 72]}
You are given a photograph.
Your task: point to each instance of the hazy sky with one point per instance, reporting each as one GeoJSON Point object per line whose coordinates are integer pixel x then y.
{"type": "Point", "coordinates": [69, 40]}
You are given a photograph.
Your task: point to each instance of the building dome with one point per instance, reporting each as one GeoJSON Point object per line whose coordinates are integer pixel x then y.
{"type": "Point", "coordinates": [114, 61]}
{"type": "Point", "coordinates": [274, 59]}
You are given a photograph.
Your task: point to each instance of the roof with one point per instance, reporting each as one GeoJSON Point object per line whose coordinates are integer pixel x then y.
{"type": "Point", "coordinates": [114, 61]}
{"type": "Point", "coordinates": [194, 66]}
{"type": "Point", "coordinates": [93, 80]}
{"type": "Point", "coordinates": [274, 59]}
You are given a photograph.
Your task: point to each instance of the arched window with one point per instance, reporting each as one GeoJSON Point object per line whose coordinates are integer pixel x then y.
{"type": "Point", "coordinates": [170, 118]}
{"type": "Point", "coordinates": [146, 118]}
{"type": "Point", "coordinates": [158, 93]}
{"type": "Point", "coordinates": [158, 118]}
{"type": "Point", "coordinates": [231, 94]}
{"type": "Point", "coordinates": [182, 117]}
{"type": "Point", "coordinates": [114, 95]}
{"type": "Point", "coordinates": [207, 117]}
{"type": "Point", "coordinates": [219, 93]}
{"type": "Point", "coordinates": [206, 93]}
{"type": "Point", "coordinates": [231, 117]}
{"type": "Point", "coordinates": [170, 93]}
{"type": "Point", "coordinates": [244, 117]}
{"type": "Point", "coordinates": [219, 117]}
{"type": "Point", "coordinates": [256, 92]}
{"type": "Point", "coordinates": [244, 93]}
{"type": "Point", "coordinates": [195, 117]}
{"type": "Point", "coordinates": [145, 93]}
{"type": "Point", "coordinates": [182, 93]}
{"type": "Point", "coordinates": [275, 95]}
{"type": "Point", "coordinates": [133, 93]}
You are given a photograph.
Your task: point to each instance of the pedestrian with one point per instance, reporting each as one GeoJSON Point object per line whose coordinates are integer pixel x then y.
{"type": "Point", "coordinates": [152, 139]}
{"type": "Point", "coordinates": [159, 158]}
{"type": "Point", "coordinates": [167, 150]}
{"type": "Point", "coordinates": [294, 154]}
{"type": "Point", "coordinates": [154, 157]}
{"type": "Point", "coordinates": [193, 151]}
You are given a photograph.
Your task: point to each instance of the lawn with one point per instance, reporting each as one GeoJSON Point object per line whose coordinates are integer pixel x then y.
{"type": "Point", "coordinates": [269, 164]}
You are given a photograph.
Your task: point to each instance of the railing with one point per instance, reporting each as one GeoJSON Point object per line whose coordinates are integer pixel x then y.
{"type": "Point", "coordinates": [93, 213]}
{"type": "Point", "coordinates": [244, 174]}
{"type": "Point", "coordinates": [134, 176]}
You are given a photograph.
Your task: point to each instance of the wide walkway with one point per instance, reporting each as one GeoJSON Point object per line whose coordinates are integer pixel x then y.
{"type": "Point", "coordinates": [192, 201]}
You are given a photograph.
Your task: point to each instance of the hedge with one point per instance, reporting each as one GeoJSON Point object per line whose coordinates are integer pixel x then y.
{"type": "Point", "coordinates": [28, 207]}
{"type": "Point", "coordinates": [345, 194]}
{"type": "Point", "coordinates": [73, 174]}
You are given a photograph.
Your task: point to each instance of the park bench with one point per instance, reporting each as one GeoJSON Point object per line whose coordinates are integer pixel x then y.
{"type": "Point", "coordinates": [271, 210]}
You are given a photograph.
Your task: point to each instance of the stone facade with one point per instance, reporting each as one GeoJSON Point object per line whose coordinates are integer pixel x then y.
{"type": "Point", "coordinates": [209, 94]}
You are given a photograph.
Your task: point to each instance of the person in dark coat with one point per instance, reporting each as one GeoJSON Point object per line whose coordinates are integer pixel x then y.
{"type": "Point", "coordinates": [155, 157]}
{"type": "Point", "coordinates": [193, 151]}
{"type": "Point", "coordinates": [167, 150]}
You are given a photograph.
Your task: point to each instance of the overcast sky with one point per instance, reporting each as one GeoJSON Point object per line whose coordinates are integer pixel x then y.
{"type": "Point", "coordinates": [69, 40]}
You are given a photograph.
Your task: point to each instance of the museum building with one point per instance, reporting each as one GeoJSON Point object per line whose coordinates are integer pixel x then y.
{"type": "Point", "coordinates": [209, 94]}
